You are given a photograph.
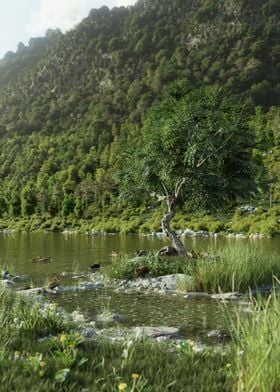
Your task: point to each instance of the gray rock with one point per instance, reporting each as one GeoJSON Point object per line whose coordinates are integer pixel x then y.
{"type": "Point", "coordinates": [170, 282]}
{"type": "Point", "coordinates": [188, 233]}
{"type": "Point", "coordinates": [217, 334]}
{"type": "Point", "coordinates": [167, 251]}
{"type": "Point", "coordinates": [34, 291]}
{"type": "Point", "coordinates": [8, 282]}
{"type": "Point", "coordinates": [155, 331]}
{"type": "Point", "coordinates": [197, 295]}
{"type": "Point", "coordinates": [226, 296]}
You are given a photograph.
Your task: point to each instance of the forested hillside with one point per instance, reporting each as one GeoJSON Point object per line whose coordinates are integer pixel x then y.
{"type": "Point", "coordinates": [70, 103]}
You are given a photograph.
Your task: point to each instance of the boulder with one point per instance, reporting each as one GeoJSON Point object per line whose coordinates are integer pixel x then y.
{"type": "Point", "coordinates": [167, 251]}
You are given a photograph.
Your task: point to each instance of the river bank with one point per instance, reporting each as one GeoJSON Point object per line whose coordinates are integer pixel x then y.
{"type": "Point", "coordinates": [247, 220]}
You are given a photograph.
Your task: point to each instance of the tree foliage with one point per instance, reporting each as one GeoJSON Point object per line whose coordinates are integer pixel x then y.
{"type": "Point", "coordinates": [197, 142]}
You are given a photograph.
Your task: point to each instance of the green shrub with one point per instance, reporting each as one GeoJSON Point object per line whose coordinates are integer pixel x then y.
{"type": "Point", "coordinates": [158, 266]}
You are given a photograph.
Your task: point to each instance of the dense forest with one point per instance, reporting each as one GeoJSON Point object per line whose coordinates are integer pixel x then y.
{"type": "Point", "coordinates": [71, 103]}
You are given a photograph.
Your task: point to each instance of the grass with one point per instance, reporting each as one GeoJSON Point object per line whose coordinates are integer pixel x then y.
{"type": "Point", "coordinates": [126, 267]}
{"type": "Point", "coordinates": [40, 351]}
{"type": "Point", "coordinates": [258, 343]}
{"type": "Point", "coordinates": [237, 267]}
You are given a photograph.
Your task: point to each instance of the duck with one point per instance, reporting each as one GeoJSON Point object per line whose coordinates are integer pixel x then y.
{"type": "Point", "coordinates": [95, 267]}
{"type": "Point", "coordinates": [54, 282]}
{"type": "Point", "coordinates": [142, 270]}
{"type": "Point", "coordinates": [41, 259]}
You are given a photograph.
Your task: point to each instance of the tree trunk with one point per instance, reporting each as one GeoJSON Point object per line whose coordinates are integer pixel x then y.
{"type": "Point", "coordinates": [171, 235]}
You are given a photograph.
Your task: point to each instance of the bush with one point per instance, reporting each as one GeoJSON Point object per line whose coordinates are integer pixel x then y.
{"type": "Point", "coordinates": [158, 266]}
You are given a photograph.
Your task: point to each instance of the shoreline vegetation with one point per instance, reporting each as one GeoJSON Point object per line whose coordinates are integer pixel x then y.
{"type": "Point", "coordinates": [258, 222]}
{"type": "Point", "coordinates": [238, 268]}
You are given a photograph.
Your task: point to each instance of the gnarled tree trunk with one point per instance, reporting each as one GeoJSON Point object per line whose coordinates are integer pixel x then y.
{"type": "Point", "coordinates": [171, 235]}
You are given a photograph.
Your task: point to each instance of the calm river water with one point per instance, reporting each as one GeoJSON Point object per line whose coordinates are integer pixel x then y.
{"type": "Point", "coordinates": [77, 252]}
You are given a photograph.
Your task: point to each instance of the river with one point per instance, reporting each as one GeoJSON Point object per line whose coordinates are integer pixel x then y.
{"type": "Point", "coordinates": [77, 252]}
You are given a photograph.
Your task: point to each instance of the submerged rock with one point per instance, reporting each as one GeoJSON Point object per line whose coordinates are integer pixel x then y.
{"type": "Point", "coordinates": [197, 295]}
{"type": "Point", "coordinates": [226, 296]}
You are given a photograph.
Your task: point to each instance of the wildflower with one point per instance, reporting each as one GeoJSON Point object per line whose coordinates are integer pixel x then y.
{"type": "Point", "coordinates": [42, 364]}
{"type": "Point", "coordinates": [135, 376]}
{"type": "Point", "coordinates": [16, 355]}
{"type": "Point", "coordinates": [122, 386]}
{"type": "Point", "coordinates": [228, 365]}
{"type": "Point", "coordinates": [62, 338]}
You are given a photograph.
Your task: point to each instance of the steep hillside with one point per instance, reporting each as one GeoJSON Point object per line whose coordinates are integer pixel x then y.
{"type": "Point", "coordinates": [69, 103]}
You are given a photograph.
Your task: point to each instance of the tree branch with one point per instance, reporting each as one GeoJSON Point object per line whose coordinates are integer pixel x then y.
{"type": "Point", "coordinates": [165, 189]}
{"type": "Point", "coordinates": [179, 185]}
{"type": "Point", "coordinates": [202, 161]}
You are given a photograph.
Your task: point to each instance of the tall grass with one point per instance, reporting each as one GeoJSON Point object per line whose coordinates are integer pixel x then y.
{"type": "Point", "coordinates": [237, 268]}
{"type": "Point", "coordinates": [258, 349]}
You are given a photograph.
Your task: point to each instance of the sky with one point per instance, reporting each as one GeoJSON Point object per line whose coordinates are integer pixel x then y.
{"type": "Point", "coordinates": [22, 19]}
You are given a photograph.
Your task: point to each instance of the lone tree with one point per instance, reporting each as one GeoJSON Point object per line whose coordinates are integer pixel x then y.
{"type": "Point", "coordinates": [194, 146]}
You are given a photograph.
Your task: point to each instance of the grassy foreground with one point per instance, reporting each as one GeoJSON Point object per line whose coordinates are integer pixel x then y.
{"type": "Point", "coordinates": [234, 268]}
{"type": "Point", "coordinates": [40, 351]}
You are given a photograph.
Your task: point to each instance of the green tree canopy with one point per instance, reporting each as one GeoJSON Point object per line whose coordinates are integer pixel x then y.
{"type": "Point", "coordinates": [195, 145]}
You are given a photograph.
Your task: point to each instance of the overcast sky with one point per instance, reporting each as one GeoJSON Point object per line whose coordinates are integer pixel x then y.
{"type": "Point", "coordinates": [22, 19]}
